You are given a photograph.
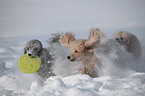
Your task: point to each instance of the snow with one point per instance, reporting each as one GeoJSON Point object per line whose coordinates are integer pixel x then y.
{"type": "Point", "coordinates": [21, 21]}
{"type": "Point", "coordinates": [83, 85]}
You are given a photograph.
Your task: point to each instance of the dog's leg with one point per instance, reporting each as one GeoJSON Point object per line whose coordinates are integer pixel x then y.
{"type": "Point", "coordinates": [81, 70]}
{"type": "Point", "coordinates": [89, 70]}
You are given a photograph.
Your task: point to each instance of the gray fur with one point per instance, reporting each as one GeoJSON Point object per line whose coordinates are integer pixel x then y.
{"type": "Point", "coordinates": [35, 48]}
{"type": "Point", "coordinates": [54, 39]}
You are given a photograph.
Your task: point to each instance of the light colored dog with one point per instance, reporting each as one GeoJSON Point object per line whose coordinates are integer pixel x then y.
{"type": "Point", "coordinates": [83, 51]}
{"type": "Point", "coordinates": [129, 41]}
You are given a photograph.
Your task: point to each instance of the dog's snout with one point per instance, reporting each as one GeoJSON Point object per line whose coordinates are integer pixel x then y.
{"type": "Point", "coordinates": [29, 54]}
{"type": "Point", "coordinates": [68, 57]}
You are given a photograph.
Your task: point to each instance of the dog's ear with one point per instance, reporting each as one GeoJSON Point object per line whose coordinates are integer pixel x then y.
{"type": "Point", "coordinates": [127, 42]}
{"type": "Point", "coordinates": [94, 40]}
{"type": "Point", "coordinates": [25, 51]}
{"type": "Point", "coordinates": [40, 52]}
{"type": "Point", "coordinates": [66, 39]}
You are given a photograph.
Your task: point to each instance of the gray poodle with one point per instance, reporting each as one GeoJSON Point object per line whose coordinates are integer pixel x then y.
{"type": "Point", "coordinates": [34, 48]}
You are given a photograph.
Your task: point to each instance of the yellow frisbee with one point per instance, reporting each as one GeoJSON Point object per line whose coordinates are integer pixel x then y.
{"type": "Point", "coordinates": [29, 64]}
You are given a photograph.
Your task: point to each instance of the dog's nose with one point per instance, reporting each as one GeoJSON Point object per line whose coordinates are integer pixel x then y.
{"type": "Point", "coordinates": [68, 57]}
{"type": "Point", "coordinates": [29, 54]}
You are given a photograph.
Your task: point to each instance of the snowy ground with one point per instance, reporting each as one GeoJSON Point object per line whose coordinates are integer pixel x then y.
{"type": "Point", "coordinates": [118, 81]}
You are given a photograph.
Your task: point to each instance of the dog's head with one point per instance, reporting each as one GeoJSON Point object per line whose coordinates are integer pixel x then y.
{"type": "Point", "coordinates": [33, 48]}
{"type": "Point", "coordinates": [80, 48]}
{"type": "Point", "coordinates": [122, 37]}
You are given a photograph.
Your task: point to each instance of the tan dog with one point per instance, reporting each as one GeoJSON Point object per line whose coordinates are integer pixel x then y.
{"type": "Point", "coordinates": [129, 41]}
{"type": "Point", "coordinates": [83, 50]}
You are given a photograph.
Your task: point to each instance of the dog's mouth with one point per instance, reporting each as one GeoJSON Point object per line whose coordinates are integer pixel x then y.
{"type": "Point", "coordinates": [32, 56]}
{"type": "Point", "coordinates": [72, 60]}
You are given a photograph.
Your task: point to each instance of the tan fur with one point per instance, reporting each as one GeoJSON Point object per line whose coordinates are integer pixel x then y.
{"type": "Point", "coordinates": [129, 41]}
{"type": "Point", "coordinates": [66, 39]}
{"type": "Point", "coordinates": [83, 51]}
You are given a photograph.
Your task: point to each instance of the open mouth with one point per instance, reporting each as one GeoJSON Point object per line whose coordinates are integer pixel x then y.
{"type": "Point", "coordinates": [32, 56]}
{"type": "Point", "coordinates": [72, 60]}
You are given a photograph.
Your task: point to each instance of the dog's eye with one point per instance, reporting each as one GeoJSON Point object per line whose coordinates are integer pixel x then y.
{"type": "Point", "coordinates": [76, 51]}
{"type": "Point", "coordinates": [121, 39]}
{"type": "Point", "coordinates": [88, 48]}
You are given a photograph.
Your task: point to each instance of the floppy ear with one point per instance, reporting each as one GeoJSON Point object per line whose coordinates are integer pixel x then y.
{"type": "Point", "coordinates": [25, 51]}
{"type": "Point", "coordinates": [66, 39]}
{"type": "Point", "coordinates": [93, 41]}
{"type": "Point", "coordinates": [40, 52]}
{"type": "Point", "coordinates": [127, 42]}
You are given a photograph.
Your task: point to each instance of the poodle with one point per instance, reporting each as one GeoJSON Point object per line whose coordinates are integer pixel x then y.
{"type": "Point", "coordinates": [129, 42]}
{"type": "Point", "coordinates": [83, 51]}
{"type": "Point", "coordinates": [35, 48]}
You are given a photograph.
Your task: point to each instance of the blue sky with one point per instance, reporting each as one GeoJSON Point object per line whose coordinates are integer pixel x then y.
{"type": "Point", "coordinates": [43, 17]}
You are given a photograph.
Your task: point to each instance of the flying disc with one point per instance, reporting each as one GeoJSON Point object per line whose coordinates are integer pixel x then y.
{"type": "Point", "coordinates": [29, 64]}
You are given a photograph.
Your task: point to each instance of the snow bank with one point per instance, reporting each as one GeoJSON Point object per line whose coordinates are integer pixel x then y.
{"type": "Point", "coordinates": [83, 85]}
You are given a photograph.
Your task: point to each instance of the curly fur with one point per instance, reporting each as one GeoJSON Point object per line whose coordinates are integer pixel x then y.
{"type": "Point", "coordinates": [83, 51]}
{"type": "Point", "coordinates": [35, 48]}
{"type": "Point", "coordinates": [129, 41]}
